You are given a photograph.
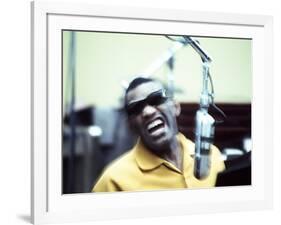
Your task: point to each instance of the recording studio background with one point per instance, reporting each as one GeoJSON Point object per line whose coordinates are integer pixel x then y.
{"type": "Point", "coordinates": [96, 68]}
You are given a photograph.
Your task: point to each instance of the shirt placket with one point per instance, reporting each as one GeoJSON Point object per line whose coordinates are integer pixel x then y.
{"type": "Point", "coordinates": [187, 169]}
{"type": "Point", "coordinates": [176, 170]}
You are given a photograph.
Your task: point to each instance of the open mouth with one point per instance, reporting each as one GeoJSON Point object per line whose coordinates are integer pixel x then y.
{"type": "Point", "coordinates": [155, 127]}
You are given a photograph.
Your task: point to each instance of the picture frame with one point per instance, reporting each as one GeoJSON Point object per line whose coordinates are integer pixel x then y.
{"type": "Point", "coordinates": [48, 205]}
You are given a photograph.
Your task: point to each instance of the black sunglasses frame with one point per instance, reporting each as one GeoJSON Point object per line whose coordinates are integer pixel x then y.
{"type": "Point", "coordinates": [154, 99]}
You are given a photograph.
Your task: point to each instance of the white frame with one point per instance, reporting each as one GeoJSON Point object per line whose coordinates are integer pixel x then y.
{"type": "Point", "coordinates": [257, 196]}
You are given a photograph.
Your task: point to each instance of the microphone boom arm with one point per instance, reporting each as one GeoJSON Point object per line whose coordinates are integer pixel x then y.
{"type": "Point", "coordinates": [204, 122]}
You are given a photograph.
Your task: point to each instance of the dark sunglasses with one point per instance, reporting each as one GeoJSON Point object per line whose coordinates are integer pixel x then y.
{"type": "Point", "coordinates": [154, 99]}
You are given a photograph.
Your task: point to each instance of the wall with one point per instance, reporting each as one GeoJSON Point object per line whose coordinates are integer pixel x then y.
{"type": "Point", "coordinates": [104, 60]}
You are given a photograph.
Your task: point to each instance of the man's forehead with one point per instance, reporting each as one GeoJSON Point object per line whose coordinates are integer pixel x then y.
{"type": "Point", "coordinates": [143, 90]}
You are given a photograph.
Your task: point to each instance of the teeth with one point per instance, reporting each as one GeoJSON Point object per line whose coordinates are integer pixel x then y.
{"type": "Point", "coordinates": [154, 124]}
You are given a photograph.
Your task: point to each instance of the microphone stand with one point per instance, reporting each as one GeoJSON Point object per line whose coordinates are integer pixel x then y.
{"type": "Point", "coordinates": [204, 122]}
{"type": "Point", "coordinates": [72, 115]}
{"type": "Point", "coordinates": [168, 58]}
{"type": "Point", "coordinates": [170, 77]}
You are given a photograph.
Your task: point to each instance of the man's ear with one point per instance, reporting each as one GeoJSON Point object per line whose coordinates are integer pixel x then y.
{"type": "Point", "coordinates": [131, 124]}
{"type": "Point", "coordinates": [177, 108]}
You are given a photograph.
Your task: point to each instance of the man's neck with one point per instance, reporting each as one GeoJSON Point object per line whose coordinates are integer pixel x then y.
{"type": "Point", "coordinates": [174, 155]}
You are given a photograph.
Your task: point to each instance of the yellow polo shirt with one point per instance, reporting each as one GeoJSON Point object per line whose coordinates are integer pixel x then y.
{"type": "Point", "coordinates": [139, 170]}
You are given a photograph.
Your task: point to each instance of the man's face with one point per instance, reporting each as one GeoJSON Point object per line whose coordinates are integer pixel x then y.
{"type": "Point", "coordinates": [154, 115]}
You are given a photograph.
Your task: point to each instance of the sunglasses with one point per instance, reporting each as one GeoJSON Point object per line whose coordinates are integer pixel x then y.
{"type": "Point", "coordinates": [154, 99]}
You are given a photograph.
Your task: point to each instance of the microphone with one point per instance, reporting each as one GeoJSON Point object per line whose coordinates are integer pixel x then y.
{"type": "Point", "coordinates": [204, 137]}
{"type": "Point", "coordinates": [204, 122]}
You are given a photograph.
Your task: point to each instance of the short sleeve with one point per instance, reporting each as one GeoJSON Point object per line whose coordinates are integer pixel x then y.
{"type": "Point", "coordinates": [105, 184]}
{"type": "Point", "coordinates": [217, 162]}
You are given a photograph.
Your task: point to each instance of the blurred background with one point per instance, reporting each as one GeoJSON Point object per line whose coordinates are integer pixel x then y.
{"type": "Point", "coordinates": [96, 69]}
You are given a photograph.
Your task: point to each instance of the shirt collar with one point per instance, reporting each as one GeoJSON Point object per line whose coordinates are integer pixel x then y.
{"type": "Point", "coordinates": [146, 160]}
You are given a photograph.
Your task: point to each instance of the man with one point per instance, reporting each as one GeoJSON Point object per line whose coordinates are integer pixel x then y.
{"type": "Point", "coordinates": [162, 157]}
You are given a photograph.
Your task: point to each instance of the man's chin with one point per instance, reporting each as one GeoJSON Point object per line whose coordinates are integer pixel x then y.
{"type": "Point", "coordinates": [159, 144]}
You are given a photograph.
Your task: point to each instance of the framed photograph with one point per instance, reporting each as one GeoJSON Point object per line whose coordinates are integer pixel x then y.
{"type": "Point", "coordinates": [86, 157]}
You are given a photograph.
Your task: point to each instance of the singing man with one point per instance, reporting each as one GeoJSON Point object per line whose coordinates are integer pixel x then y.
{"type": "Point", "coordinates": [162, 158]}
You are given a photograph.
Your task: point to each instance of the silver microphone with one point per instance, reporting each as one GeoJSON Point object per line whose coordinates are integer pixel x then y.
{"type": "Point", "coordinates": [204, 122]}
{"type": "Point", "coordinates": [204, 137]}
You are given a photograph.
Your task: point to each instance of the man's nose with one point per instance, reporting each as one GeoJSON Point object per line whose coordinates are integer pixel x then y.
{"type": "Point", "coordinates": [148, 110]}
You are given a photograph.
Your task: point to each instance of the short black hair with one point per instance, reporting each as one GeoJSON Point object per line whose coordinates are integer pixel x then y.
{"type": "Point", "coordinates": [136, 82]}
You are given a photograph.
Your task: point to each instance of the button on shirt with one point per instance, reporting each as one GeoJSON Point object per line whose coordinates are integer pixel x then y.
{"type": "Point", "coordinates": [139, 170]}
